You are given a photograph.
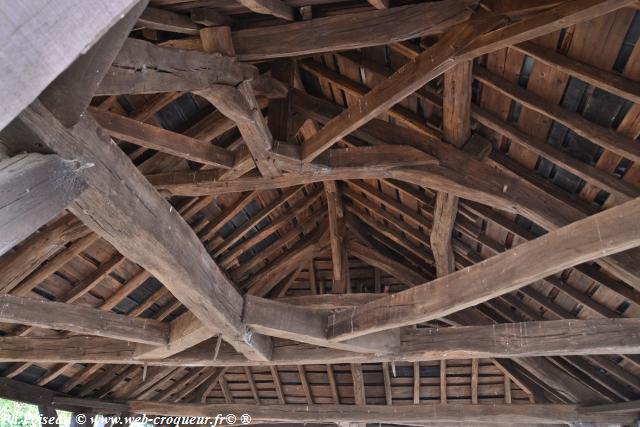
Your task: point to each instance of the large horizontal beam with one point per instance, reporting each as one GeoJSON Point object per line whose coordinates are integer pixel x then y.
{"type": "Point", "coordinates": [80, 319]}
{"type": "Point", "coordinates": [122, 207]}
{"type": "Point", "coordinates": [549, 338]}
{"type": "Point", "coordinates": [343, 32]}
{"type": "Point", "coordinates": [142, 67]}
{"type": "Point", "coordinates": [34, 188]}
{"type": "Point", "coordinates": [352, 163]}
{"type": "Point", "coordinates": [443, 413]}
{"type": "Point", "coordinates": [605, 233]}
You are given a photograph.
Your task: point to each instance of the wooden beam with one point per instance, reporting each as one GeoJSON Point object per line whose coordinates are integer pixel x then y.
{"type": "Point", "coordinates": [462, 43]}
{"type": "Point", "coordinates": [34, 188]}
{"type": "Point", "coordinates": [185, 332]}
{"type": "Point", "coordinates": [461, 413]}
{"type": "Point", "coordinates": [238, 102]}
{"type": "Point", "coordinates": [456, 126]}
{"type": "Point", "coordinates": [16, 265]}
{"type": "Point", "coordinates": [165, 20]}
{"type": "Point", "coordinates": [379, 4]}
{"type": "Point", "coordinates": [374, 258]}
{"type": "Point", "coordinates": [69, 95]}
{"type": "Point", "coordinates": [344, 32]}
{"type": "Point", "coordinates": [82, 320]}
{"type": "Point", "coordinates": [337, 230]}
{"type": "Point", "coordinates": [209, 17]}
{"type": "Point", "coordinates": [157, 138]}
{"type": "Point", "coordinates": [276, 8]}
{"type": "Point", "coordinates": [352, 163]}
{"type": "Point", "coordinates": [523, 197]}
{"type": "Point", "coordinates": [602, 234]}
{"type": "Point", "coordinates": [169, 70]}
{"type": "Point", "coordinates": [124, 209]}
{"type": "Point", "coordinates": [29, 33]}
{"type": "Point", "coordinates": [300, 324]}
{"type": "Point", "coordinates": [509, 340]}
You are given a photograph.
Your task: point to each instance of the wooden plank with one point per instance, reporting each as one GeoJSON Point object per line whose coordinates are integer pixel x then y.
{"type": "Point", "coordinates": [374, 258]}
{"type": "Point", "coordinates": [209, 17]}
{"type": "Point", "coordinates": [34, 188]}
{"type": "Point", "coordinates": [379, 4]}
{"type": "Point", "coordinates": [603, 79]}
{"type": "Point", "coordinates": [157, 138]}
{"type": "Point", "coordinates": [460, 44]}
{"type": "Point", "coordinates": [607, 138]}
{"type": "Point", "coordinates": [165, 20]}
{"type": "Point", "coordinates": [602, 234]}
{"type": "Point", "coordinates": [16, 265]}
{"type": "Point", "coordinates": [124, 209]}
{"type": "Point", "coordinates": [83, 320]}
{"type": "Point", "coordinates": [443, 381]}
{"type": "Point", "coordinates": [276, 8]}
{"type": "Point", "coordinates": [169, 70]}
{"type": "Point", "coordinates": [359, 391]}
{"type": "Point", "coordinates": [50, 35]}
{"type": "Point", "coordinates": [462, 413]}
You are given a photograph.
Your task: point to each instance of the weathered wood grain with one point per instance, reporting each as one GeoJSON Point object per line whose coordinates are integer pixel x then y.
{"type": "Point", "coordinates": [80, 319]}
{"type": "Point", "coordinates": [448, 413]}
{"type": "Point", "coordinates": [34, 188]}
{"type": "Point", "coordinates": [124, 209]}
{"type": "Point", "coordinates": [157, 138]}
{"type": "Point", "coordinates": [605, 233]}
{"type": "Point", "coordinates": [142, 67]}
{"type": "Point", "coordinates": [51, 35]}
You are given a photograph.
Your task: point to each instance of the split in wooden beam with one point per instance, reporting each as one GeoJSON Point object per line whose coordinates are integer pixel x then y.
{"type": "Point", "coordinates": [605, 233]}
{"type": "Point", "coordinates": [124, 209]}
{"type": "Point", "coordinates": [34, 188]}
{"type": "Point", "coordinates": [142, 67]}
